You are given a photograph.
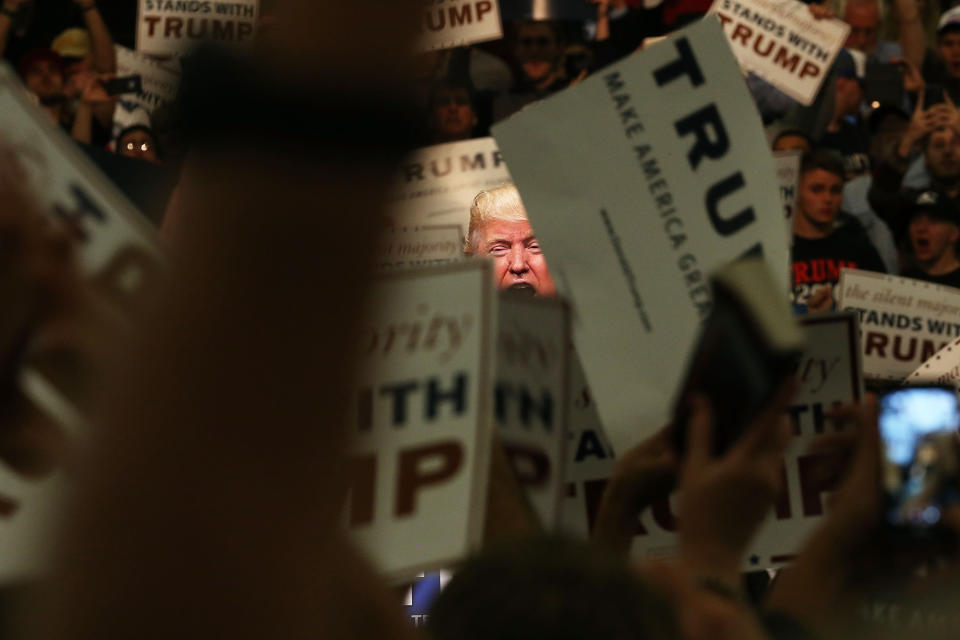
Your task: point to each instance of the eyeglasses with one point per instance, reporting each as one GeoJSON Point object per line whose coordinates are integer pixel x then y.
{"type": "Point", "coordinates": [541, 41]}
{"type": "Point", "coordinates": [143, 146]}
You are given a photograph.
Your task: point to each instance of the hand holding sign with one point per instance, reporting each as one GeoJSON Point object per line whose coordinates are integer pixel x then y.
{"type": "Point", "coordinates": [724, 500]}
{"type": "Point", "coordinates": [644, 474]}
{"type": "Point", "coordinates": [812, 587]}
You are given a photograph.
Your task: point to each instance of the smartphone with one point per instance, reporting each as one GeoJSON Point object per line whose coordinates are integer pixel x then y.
{"type": "Point", "coordinates": [883, 85]}
{"type": "Point", "coordinates": [735, 363]}
{"type": "Point", "coordinates": [932, 94]}
{"type": "Point", "coordinates": [126, 84]}
{"type": "Point", "coordinates": [921, 455]}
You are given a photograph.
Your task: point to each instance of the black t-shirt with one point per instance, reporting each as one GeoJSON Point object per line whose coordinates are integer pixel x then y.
{"type": "Point", "coordinates": [951, 279]}
{"type": "Point", "coordinates": [818, 262]}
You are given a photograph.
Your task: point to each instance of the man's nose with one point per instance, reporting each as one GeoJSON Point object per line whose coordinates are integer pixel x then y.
{"type": "Point", "coordinates": [518, 260]}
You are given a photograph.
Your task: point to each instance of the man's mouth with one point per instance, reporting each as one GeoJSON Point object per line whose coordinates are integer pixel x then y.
{"type": "Point", "coordinates": [523, 288]}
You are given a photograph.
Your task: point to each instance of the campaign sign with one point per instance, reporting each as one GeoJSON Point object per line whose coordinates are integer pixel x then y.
{"type": "Point", "coordinates": [417, 247]}
{"type": "Point", "coordinates": [590, 460]}
{"type": "Point", "coordinates": [529, 397]}
{"type": "Point", "coordinates": [781, 42]}
{"type": "Point", "coordinates": [437, 184]}
{"type": "Point", "coordinates": [173, 27]}
{"type": "Point", "coordinates": [942, 368]}
{"type": "Point", "coordinates": [829, 375]}
{"type": "Point", "coordinates": [420, 453]}
{"type": "Point", "coordinates": [787, 165]}
{"type": "Point", "coordinates": [116, 250]}
{"type": "Point", "coordinates": [639, 182]}
{"type": "Point", "coordinates": [158, 87]}
{"type": "Point", "coordinates": [905, 322]}
{"type": "Point", "coordinates": [457, 23]}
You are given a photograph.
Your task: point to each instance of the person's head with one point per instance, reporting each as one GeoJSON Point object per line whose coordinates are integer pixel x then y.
{"type": "Point", "coordinates": [863, 16]}
{"type": "Point", "coordinates": [549, 588]}
{"type": "Point", "coordinates": [73, 46]}
{"type": "Point", "coordinates": [538, 49]}
{"type": "Point", "coordinates": [820, 194]}
{"type": "Point", "coordinates": [791, 139]}
{"type": "Point", "coordinates": [948, 41]}
{"type": "Point", "coordinates": [500, 230]}
{"type": "Point", "coordinates": [42, 73]}
{"type": "Point", "coordinates": [887, 124]}
{"type": "Point", "coordinates": [849, 88]}
{"type": "Point", "coordinates": [138, 142]}
{"type": "Point", "coordinates": [452, 115]}
{"type": "Point", "coordinates": [942, 156]}
{"type": "Point", "coordinates": [933, 227]}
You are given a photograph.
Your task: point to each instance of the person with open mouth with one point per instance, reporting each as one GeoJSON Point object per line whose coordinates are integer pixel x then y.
{"type": "Point", "coordinates": [933, 226]}
{"type": "Point", "coordinates": [500, 230]}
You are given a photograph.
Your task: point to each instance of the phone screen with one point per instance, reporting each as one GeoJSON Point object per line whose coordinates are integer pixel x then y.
{"type": "Point", "coordinates": [921, 463]}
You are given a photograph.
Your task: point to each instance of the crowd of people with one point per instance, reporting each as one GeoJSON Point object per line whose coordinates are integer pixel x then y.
{"type": "Point", "coordinates": [208, 502]}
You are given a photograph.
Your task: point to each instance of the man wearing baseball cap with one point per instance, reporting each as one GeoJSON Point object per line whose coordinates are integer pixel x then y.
{"type": "Point", "coordinates": [933, 226]}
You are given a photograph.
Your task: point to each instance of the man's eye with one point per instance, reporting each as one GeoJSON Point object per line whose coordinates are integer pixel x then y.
{"type": "Point", "coordinates": [534, 247]}
{"type": "Point", "coordinates": [498, 250]}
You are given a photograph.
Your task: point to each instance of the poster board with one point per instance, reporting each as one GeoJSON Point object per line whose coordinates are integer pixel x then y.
{"type": "Point", "coordinates": [173, 27]}
{"type": "Point", "coordinates": [781, 42]}
{"type": "Point", "coordinates": [418, 247]}
{"type": "Point", "coordinates": [159, 87]}
{"type": "Point", "coordinates": [787, 165]}
{"type": "Point", "coordinates": [458, 23]}
{"type": "Point", "coordinates": [116, 251]}
{"type": "Point", "coordinates": [639, 182]}
{"type": "Point", "coordinates": [905, 322]}
{"type": "Point", "coordinates": [829, 375]}
{"type": "Point", "coordinates": [420, 453]}
{"type": "Point", "coordinates": [590, 460]}
{"type": "Point", "coordinates": [436, 185]}
{"type": "Point", "coordinates": [530, 394]}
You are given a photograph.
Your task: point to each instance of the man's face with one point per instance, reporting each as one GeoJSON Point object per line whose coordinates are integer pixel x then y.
{"type": "Point", "coordinates": [45, 79]}
{"type": "Point", "coordinates": [948, 48]}
{"type": "Point", "coordinates": [864, 21]}
{"type": "Point", "coordinates": [848, 96]}
{"type": "Point", "coordinates": [517, 259]}
{"type": "Point", "coordinates": [537, 50]}
{"type": "Point", "coordinates": [453, 115]}
{"type": "Point", "coordinates": [943, 155]}
{"type": "Point", "coordinates": [932, 238]}
{"type": "Point", "coordinates": [821, 193]}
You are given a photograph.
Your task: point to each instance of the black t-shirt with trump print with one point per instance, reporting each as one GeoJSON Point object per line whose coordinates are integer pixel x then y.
{"type": "Point", "coordinates": [816, 263]}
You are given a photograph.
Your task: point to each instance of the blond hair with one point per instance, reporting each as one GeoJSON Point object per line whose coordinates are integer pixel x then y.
{"type": "Point", "coordinates": [502, 204]}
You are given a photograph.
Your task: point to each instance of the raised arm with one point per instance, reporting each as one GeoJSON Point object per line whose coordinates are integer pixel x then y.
{"type": "Point", "coordinates": [8, 10]}
{"type": "Point", "coordinates": [913, 39]}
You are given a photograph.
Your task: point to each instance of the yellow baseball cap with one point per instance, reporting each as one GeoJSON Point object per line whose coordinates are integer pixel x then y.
{"type": "Point", "coordinates": [72, 43]}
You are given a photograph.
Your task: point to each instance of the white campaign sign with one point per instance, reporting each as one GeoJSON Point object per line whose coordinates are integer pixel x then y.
{"type": "Point", "coordinates": [437, 184]}
{"type": "Point", "coordinates": [173, 27]}
{"type": "Point", "coordinates": [942, 368]}
{"type": "Point", "coordinates": [590, 461]}
{"type": "Point", "coordinates": [782, 43]}
{"type": "Point", "coordinates": [426, 246]}
{"type": "Point", "coordinates": [787, 164]}
{"type": "Point", "coordinates": [639, 182]}
{"type": "Point", "coordinates": [457, 23]}
{"type": "Point", "coordinates": [829, 374]}
{"type": "Point", "coordinates": [116, 250]}
{"type": "Point", "coordinates": [158, 87]}
{"type": "Point", "coordinates": [905, 322]}
{"type": "Point", "coordinates": [423, 433]}
{"type": "Point", "coordinates": [530, 394]}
